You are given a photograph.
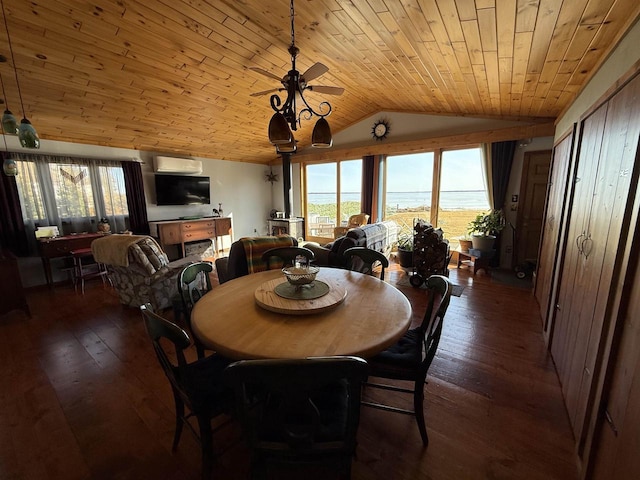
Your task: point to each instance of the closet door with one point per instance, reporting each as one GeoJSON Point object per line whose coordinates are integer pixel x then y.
{"type": "Point", "coordinates": [571, 291]}
{"type": "Point", "coordinates": [600, 219]}
{"type": "Point", "coordinates": [608, 225]}
{"type": "Point", "coordinates": [617, 441]}
{"type": "Point", "coordinates": [556, 195]}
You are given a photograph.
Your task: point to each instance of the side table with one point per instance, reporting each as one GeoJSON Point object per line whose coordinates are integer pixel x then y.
{"type": "Point", "coordinates": [475, 259]}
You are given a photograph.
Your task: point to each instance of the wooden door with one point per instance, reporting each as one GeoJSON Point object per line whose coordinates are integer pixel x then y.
{"type": "Point", "coordinates": [617, 442]}
{"type": "Point", "coordinates": [533, 192]}
{"type": "Point", "coordinates": [562, 337]}
{"type": "Point", "coordinates": [552, 225]}
{"type": "Point", "coordinates": [608, 224]}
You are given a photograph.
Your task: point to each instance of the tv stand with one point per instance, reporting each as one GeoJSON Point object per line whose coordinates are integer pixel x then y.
{"type": "Point", "coordinates": [179, 232]}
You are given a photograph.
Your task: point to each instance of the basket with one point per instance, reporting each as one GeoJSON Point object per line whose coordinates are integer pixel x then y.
{"type": "Point", "coordinates": [300, 276]}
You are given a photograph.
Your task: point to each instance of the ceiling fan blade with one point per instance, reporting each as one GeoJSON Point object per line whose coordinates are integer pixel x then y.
{"type": "Point", "coordinates": [264, 92]}
{"type": "Point", "coordinates": [266, 73]}
{"type": "Point", "coordinates": [326, 90]}
{"type": "Point", "coordinates": [314, 71]}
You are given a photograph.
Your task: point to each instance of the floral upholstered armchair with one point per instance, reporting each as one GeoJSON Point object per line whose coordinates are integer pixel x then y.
{"type": "Point", "coordinates": [139, 269]}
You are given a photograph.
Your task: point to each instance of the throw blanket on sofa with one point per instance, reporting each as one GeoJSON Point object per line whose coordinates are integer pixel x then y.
{"type": "Point", "coordinates": [114, 249]}
{"type": "Point", "coordinates": [254, 247]}
{"type": "Point", "coordinates": [381, 236]}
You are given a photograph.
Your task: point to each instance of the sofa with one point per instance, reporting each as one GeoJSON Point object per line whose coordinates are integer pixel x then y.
{"type": "Point", "coordinates": [139, 269]}
{"type": "Point", "coordinates": [245, 255]}
{"type": "Point", "coordinates": [380, 236]}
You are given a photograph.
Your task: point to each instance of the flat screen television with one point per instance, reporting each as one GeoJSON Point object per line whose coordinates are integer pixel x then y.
{"type": "Point", "coordinates": [182, 190]}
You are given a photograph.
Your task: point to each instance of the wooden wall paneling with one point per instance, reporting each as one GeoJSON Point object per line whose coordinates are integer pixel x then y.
{"type": "Point", "coordinates": [587, 161]}
{"type": "Point", "coordinates": [557, 196]}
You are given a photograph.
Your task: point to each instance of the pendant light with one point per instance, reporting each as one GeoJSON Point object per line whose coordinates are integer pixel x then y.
{"type": "Point", "coordinates": [26, 133]}
{"type": "Point", "coordinates": [9, 122]}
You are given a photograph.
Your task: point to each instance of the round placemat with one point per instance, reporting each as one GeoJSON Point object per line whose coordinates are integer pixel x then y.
{"type": "Point", "coordinates": [315, 289]}
{"type": "Point", "coordinates": [267, 297]}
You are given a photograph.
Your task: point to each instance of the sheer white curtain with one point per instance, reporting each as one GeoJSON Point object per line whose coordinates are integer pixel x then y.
{"type": "Point", "coordinates": [487, 174]}
{"type": "Point", "coordinates": [71, 193]}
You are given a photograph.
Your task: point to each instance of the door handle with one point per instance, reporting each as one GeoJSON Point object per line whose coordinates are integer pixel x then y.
{"type": "Point", "coordinates": [609, 420]}
{"type": "Point", "coordinates": [579, 242]}
{"type": "Point", "coordinates": [588, 243]}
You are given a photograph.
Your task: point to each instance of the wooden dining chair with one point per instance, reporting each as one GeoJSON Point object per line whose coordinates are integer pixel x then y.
{"type": "Point", "coordinates": [198, 386]}
{"type": "Point", "coordinates": [299, 412]}
{"type": "Point", "coordinates": [193, 283]}
{"type": "Point", "coordinates": [363, 259]}
{"type": "Point", "coordinates": [284, 256]}
{"type": "Point", "coordinates": [410, 358]}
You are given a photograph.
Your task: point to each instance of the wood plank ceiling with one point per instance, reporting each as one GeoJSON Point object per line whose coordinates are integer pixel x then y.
{"type": "Point", "coordinates": [171, 76]}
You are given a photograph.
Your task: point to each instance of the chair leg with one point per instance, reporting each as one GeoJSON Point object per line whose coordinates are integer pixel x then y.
{"type": "Point", "coordinates": [418, 408]}
{"type": "Point", "coordinates": [206, 444]}
{"type": "Point", "coordinates": [179, 421]}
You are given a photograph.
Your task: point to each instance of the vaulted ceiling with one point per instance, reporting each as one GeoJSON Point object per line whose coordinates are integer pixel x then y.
{"type": "Point", "coordinates": [172, 76]}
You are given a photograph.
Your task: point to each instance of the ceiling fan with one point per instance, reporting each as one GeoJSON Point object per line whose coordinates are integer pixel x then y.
{"type": "Point", "coordinates": [287, 117]}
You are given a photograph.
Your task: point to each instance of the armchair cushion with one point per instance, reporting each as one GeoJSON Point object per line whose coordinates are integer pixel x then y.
{"type": "Point", "coordinates": [148, 254]}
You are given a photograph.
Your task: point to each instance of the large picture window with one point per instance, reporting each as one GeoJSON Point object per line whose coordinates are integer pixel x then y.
{"type": "Point", "coordinates": [332, 194]}
{"type": "Point", "coordinates": [70, 193]}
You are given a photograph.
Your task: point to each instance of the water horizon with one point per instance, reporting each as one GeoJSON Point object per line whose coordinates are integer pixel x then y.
{"type": "Point", "coordinates": [449, 199]}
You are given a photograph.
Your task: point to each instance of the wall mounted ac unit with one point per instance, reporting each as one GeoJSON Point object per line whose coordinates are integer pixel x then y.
{"type": "Point", "coordinates": [176, 165]}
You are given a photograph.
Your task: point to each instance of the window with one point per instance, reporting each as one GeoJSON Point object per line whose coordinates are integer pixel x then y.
{"type": "Point", "coordinates": [460, 188]}
{"type": "Point", "coordinates": [462, 192]}
{"type": "Point", "coordinates": [333, 194]}
{"type": "Point", "coordinates": [409, 182]}
{"type": "Point", "coordinates": [71, 193]}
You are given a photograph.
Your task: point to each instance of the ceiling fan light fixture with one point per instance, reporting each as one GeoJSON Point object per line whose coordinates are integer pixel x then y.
{"type": "Point", "coordinates": [279, 132]}
{"type": "Point", "coordinates": [9, 123]}
{"type": "Point", "coordinates": [321, 137]}
{"type": "Point", "coordinates": [27, 135]}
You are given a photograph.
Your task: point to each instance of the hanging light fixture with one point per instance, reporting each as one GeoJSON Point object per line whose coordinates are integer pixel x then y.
{"type": "Point", "coordinates": [286, 118]}
{"type": "Point", "coordinates": [9, 122]}
{"type": "Point", "coordinates": [26, 133]}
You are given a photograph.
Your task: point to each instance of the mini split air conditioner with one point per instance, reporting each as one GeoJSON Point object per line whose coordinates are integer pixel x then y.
{"type": "Point", "coordinates": [176, 165]}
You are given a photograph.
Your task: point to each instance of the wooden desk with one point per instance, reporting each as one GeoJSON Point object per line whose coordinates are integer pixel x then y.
{"type": "Point", "coordinates": [373, 316]}
{"type": "Point", "coordinates": [61, 247]}
{"type": "Point", "coordinates": [179, 232]}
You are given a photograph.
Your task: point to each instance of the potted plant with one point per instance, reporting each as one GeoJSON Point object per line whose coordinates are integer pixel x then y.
{"type": "Point", "coordinates": [484, 228]}
{"type": "Point", "coordinates": [405, 250]}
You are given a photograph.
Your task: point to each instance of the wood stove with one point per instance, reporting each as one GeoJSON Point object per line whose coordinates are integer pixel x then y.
{"type": "Point", "coordinates": [287, 226]}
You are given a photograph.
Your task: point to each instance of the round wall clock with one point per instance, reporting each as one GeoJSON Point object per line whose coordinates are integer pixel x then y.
{"type": "Point", "coordinates": [380, 129]}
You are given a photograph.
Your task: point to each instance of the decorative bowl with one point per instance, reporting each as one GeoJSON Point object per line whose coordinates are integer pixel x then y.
{"type": "Point", "coordinates": [300, 275]}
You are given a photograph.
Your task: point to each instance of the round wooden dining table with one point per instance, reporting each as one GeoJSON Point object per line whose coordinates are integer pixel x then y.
{"type": "Point", "coordinates": [372, 316]}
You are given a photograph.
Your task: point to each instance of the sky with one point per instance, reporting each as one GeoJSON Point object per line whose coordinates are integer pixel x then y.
{"type": "Point", "coordinates": [461, 170]}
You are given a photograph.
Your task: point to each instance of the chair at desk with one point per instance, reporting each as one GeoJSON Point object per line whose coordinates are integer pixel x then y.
{"type": "Point", "coordinates": [85, 268]}
{"type": "Point", "coordinates": [199, 385]}
{"type": "Point", "coordinates": [410, 358]}
{"type": "Point", "coordinates": [363, 259]}
{"type": "Point", "coordinates": [303, 411]}
{"type": "Point", "coordinates": [285, 256]}
{"type": "Point", "coordinates": [193, 283]}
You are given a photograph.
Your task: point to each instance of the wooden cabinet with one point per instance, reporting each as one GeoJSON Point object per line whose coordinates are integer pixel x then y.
{"type": "Point", "coordinates": [179, 232]}
{"type": "Point", "coordinates": [595, 250]}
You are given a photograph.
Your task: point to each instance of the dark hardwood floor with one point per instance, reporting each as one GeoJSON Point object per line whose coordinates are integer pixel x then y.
{"type": "Point", "coordinates": [83, 396]}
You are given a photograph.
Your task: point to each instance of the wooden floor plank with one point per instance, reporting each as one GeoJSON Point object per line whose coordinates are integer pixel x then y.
{"type": "Point", "coordinates": [84, 397]}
